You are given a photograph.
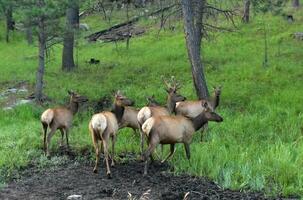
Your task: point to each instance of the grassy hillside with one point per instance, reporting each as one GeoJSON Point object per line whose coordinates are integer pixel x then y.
{"type": "Point", "coordinates": [259, 145]}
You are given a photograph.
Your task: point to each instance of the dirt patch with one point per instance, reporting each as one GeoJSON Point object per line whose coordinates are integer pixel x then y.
{"type": "Point", "coordinates": [77, 178]}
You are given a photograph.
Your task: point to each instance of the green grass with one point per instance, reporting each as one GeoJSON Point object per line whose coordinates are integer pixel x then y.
{"type": "Point", "coordinates": [259, 146]}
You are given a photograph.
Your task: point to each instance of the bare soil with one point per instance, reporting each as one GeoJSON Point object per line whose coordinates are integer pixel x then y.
{"type": "Point", "coordinates": [77, 178]}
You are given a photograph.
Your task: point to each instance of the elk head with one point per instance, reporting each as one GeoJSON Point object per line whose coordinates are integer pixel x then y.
{"type": "Point", "coordinates": [76, 98]}
{"type": "Point", "coordinates": [121, 100]}
{"type": "Point", "coordinates": [209, 113]}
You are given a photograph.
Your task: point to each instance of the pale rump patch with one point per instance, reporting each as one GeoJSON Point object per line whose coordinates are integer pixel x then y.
{"type": "Point", "coordinates": [47, 116]}
{"type": "Point", "coordinates": [178, 104]}
{"type": "Point", "coordinates": [144, 114]}
{"type": "Point", "coordinates": [99, 122]}
{"type": "Point", "coordinates": [148, 125]}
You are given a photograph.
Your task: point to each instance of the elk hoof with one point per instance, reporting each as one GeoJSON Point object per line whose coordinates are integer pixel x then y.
{"type": "Point", "coordinates": [95, 171]}
{"type": "Point", "coordinates": [109, 175]}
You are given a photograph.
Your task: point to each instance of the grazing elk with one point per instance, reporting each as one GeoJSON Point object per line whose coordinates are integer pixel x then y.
{"type": "Point", "coordinates": [60, 118]}
{"type": "Point", "coordinates": [149, 111]}
{"type": "Point", "coordinates": [193, 108]}
{"type": "Point", "coordinates": [175, 129]}
{"type": "Point", "coordinates": [104, 125]}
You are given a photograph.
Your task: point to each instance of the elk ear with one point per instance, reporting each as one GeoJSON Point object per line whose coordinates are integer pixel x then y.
{"type": "Point", "coordinates": [205, 104]}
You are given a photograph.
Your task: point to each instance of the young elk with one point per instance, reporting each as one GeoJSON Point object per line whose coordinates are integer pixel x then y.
{"type": "Point", "coordinates": [193, 108]}
{"type": "Point", "coordinates": [105, 125]}
{"type": "Point", "coordinates": [60, 118]}
{"type": "Point", "coordinates": [153, 111]}
{"type": "Point", "coordinates": [175, 129]}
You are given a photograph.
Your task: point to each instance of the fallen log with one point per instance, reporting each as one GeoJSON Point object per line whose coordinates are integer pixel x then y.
{"type": "Point", "coordinates": [95, 36]}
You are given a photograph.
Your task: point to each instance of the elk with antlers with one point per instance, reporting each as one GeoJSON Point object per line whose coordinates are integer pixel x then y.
{"type": "Point", "coordinates": [149, 111]}
{"type": "Point", "coordinates": [105, 125]}
{"type": "Point", "coordinates": [175, 129]}
{"type": "Point", "coordinates": [60, 118]}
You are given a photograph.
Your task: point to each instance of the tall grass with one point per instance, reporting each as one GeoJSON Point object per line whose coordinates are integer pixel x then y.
{"type": "Point", "coordinates": [259, 145]}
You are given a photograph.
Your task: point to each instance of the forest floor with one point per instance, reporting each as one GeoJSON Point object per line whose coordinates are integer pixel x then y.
{"type": "Point", "coordinates": [76, 178]}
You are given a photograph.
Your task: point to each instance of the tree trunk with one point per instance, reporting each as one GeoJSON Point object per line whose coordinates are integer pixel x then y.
{"type": "Point", "coordinates": [9, 22]}
{"type": "Point", "coordinates": [245, 17]}
{"type": "Point", "coordinates": [192, 13]}
{"type": "Point", "coordinates": [41, 66]}
{"type": "Point", "coordinates": [72, 18]}
{"type": "Point", "coordinates": [295, 3]}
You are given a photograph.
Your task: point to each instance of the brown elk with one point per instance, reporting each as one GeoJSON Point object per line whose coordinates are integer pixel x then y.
{"type": "Point", "coordinates": [104, 125]}
{"type": "Point", "coordinates": [151, 101]}
{"type": "Point", "coordinates": [129, 118]}
{"type": "Point", "coordinates": [193, 108]}
{"type": "Point", "coordinates": [60, 118]}
{"type": "Point", "coordinates": [149, 111]}
{"type": "Point", "coordinates": [175, 129]}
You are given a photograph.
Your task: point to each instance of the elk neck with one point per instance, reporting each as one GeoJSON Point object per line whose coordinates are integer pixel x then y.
{"type": "Point", "coordinates": [73, 107]}
{"type": "Point", "coordinates": [118, 110]}
{"type": "Point", "coordinates": [199, 121]}
{"type": "Point", "coordinates": [171, 105]}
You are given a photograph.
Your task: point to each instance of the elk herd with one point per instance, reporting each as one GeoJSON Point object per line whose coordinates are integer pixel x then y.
{"type": "Point", "coordinates": [176, 122]}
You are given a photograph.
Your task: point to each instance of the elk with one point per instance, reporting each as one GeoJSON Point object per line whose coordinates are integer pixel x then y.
{"type": "Point", "coordinates": [175, 129]}
{"type": "Point", "coordinates": [129, 118]}
{"type": "Point", "coordinates": [152, 111]}
{"type": "Point", "coordinates": [60, 118]}
{"type": "Point", "coordinates": [151, 101]}
{"type": "Point", "coordinates": [104, 125]}
{"type": "Point", "coordinates": [192, 109]}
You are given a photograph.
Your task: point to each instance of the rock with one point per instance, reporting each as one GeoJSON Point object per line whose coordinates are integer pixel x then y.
{"type": "Point", "coordinates": [74, 197]}
{"type": "Point", "coordinates": [84, 27]}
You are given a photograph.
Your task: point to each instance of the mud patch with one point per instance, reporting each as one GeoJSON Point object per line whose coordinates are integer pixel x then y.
{"type": "Point", "coordinates": [74, 178]}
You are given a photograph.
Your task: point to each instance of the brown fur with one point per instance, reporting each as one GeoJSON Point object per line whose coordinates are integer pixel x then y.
{"type": "Point", "coordinates": [174, 129]}
{"type": "Point", "coordinates": [129, 118]}
{"type": "Point", "coordinates": [60, 118]}
{"type": "Point", "coordinates": [105, 125]}
{"type": "Point", "coordinates": [172, 98]}
{"type": "Point", "coordinates": [193, 108]}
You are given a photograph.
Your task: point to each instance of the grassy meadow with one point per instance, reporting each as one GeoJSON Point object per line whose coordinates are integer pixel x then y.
{"type": "Point", "coordinates": [259, 146]}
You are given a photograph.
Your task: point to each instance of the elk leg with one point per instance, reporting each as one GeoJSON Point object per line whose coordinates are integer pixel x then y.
{"type": "Point", "coordinates": [49, 137]}
{"type": "Point", "coordinates": [113, 149]}
{"type": "Point", "coordinates": [141, 141]}
{"type": "Point", "coordinates": [147, 154]}
{"type": "Point", "coordinates": [66, 136]}
{"type": "Point", "coordinates": [172, 151]}
{"type": "Point", "coordinates": [187, 151]}
{"type": "Point", "coordinates": [62, 136]}
{"type": "Point", "coordinates": [97, 150]}
{"type": "Point", "coordinates": [105, 142]}
{"type": "Point", "coordinates": [44, 136]}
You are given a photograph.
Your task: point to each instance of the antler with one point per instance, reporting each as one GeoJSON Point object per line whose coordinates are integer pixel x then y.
{"type": "Point", "coordinates": [172, 85]}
